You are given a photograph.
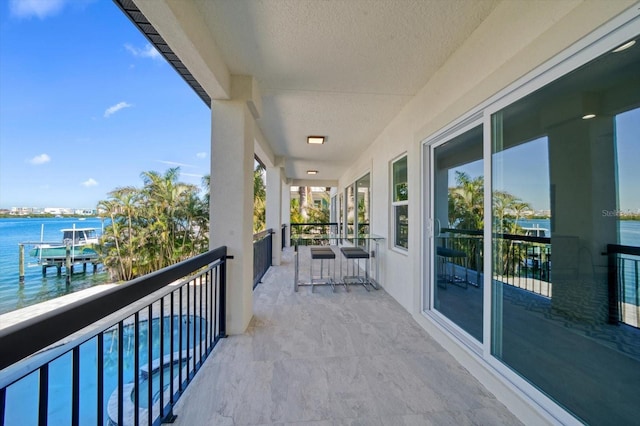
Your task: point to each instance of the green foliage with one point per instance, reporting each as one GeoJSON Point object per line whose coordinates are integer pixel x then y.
{"type": "Point", "coordinates": [157, 225]}
{"type": "Point", "coordinates": [259, 199]}
{"type": "Point", "coordinates": [307, 211]}
{"type": "Point", "coordinates": [466, 206]}
{"type": "Point", "coordinates": [466, 212]}
{"type": "Point", "coordinates": [402, 192]}
{"type": "Point", "coordinates": [466, 203]}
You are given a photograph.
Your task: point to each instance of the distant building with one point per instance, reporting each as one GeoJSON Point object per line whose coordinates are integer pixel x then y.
{"type": "Point", "coordinates": [21, 211]}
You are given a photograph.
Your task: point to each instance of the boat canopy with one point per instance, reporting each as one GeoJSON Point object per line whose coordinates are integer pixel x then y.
{"type": "Point", "coordinates": [79, 235]}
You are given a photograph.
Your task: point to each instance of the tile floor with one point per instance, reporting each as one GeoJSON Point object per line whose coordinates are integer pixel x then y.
{"type": "Point", "coordinates": [325, 358]}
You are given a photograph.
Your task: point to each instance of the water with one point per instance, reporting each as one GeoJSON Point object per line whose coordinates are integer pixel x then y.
{"type": "Point", "coordinates": [629, 229]}
{"type": "Point", "coordinates": [37, 289]}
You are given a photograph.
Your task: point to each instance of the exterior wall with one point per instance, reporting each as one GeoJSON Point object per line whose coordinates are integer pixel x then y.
{"type": "Point", "coordinates": [518, 37]}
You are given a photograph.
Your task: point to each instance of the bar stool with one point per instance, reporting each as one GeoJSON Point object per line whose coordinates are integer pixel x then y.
{"type": "Point", "coordinates": [355, 254]}
{"type": "Point", "coordinates": [446, 253]}
{"type": "Point", "coordinates": [322, 254]}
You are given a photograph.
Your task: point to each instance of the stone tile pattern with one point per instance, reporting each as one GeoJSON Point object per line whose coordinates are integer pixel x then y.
{"type": "Point", "coordinates": [327, 358]}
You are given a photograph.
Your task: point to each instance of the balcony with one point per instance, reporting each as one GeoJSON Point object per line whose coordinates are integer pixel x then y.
{"type": "Point", "coordinates": [333, 358]}
{"type": "Point", "coordinates": [319, 356]}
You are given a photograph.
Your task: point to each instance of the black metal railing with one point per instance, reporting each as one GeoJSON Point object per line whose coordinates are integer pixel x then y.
{"type": "Point", "coordinates": [262, 254]}
{"type": "Point", "coordinates": [284, 236]}
{"type": "Point", "coordinates": [524, 261]}
{"type": "Point", "coordinates": [317, 228]}
{"type": "Point", "coordinates": [123, 356]}
{"type": "Point", "coordinates": [623, 288]}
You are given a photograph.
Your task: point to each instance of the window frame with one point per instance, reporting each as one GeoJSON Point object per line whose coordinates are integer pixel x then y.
{"type": "Point", "coordinates": [595, 43]}
{"type": "Point", "coordinates": [399, 203]}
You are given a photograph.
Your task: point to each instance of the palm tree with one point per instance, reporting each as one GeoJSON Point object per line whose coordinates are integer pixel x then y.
{"type": "Point", "coordinates": [259, 199]}
{"type": "Point", "coordinates": [466, 203]}
{"type": "Point", "coordinates": [151, 227]}
{"type": "Point", "coordinates": [120, 236]}
{"type": "Point", "coordinates": [466, 212]}
{"type": "Point", "coordinates": [304, 193]}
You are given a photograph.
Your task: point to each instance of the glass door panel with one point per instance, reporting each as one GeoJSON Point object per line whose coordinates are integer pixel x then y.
{"type": "Point", "coordinates": [566, 240]}
{"type": "Point", "coordinates": [457, 210]}
{"type": "Point", "coordinates": [350, 211]}
{"type": "Point", "coordinates": [363, 202]}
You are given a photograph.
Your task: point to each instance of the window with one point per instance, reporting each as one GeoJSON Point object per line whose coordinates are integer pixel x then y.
{"type": "Point", "coordinates": [400, 203]}
{"type": "Point", "coordinates": [357, 208]}
{"type": "Point", "coordinates": [363, 203]}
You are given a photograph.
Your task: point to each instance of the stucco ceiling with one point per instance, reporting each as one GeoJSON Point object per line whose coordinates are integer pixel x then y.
{"type": "Point", "coordinates": [337, 68]}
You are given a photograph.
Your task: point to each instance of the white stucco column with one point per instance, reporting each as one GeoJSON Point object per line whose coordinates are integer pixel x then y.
{"type": "Point", "coordinates": [273, 212]}
{"type": "Point", "coordinates": [232, 204]}
{"type": "Point", "coordinates": [582, 168]}
{"type": "Point", "coordinates": [286, 212]}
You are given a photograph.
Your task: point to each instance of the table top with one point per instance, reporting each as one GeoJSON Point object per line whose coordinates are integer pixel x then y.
{"type": "Point", "coordinates": [306, 237]}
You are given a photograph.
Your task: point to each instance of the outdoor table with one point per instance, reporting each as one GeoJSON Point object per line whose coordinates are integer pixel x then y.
{"type": "Point", "coordinates": [369, 242]}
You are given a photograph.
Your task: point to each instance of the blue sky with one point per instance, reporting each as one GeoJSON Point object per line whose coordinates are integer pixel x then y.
{"type": "Point", "coordinates": [87, 105]}
{"type": "Point", "coordinates": [525, 167]}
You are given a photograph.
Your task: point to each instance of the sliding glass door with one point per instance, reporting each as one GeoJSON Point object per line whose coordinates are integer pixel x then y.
{"type": "Point", "coordinates": [566, 246]}
{"type": "Point", "coordinates": [457, 184]}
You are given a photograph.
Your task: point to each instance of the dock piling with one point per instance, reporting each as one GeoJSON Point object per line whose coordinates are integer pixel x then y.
{"type": "Point", "coordinates": [68, 264]}
{"type": "Point", "coordinates": [21, 263]}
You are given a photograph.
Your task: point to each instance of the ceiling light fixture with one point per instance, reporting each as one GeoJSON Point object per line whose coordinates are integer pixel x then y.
{"type": "Point", "coordinates": [624, 46]}
{"type": "Point", "coordinates": [315, 140]}
{"type": "Point", "coordinates": [312, 172]}
{"type": "Point", "coordinates": [588, 116]}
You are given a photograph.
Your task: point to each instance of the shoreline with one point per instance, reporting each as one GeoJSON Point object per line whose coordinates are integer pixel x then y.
{"type": "Point", "coordinates": [14, 317]}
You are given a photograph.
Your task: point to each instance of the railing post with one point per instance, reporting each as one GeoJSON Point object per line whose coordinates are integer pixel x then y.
{"type": "Point", "coordinates": [614, 314]}
{"type": "Point", "coordinates": [284, 236]}
{"type": "Point", "coordinates": [3, 398]}
{"type": "Point", "coordinates": [222, 318]}
{"type": "Point", "coordinates": [43, 396]}
{"type": "Point", "coordinates": [270, 256]}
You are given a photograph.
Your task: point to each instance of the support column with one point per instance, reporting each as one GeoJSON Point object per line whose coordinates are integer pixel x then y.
{"type": "Point", "coordinates": [582, 169]}
{"type": "Point", "coordinates": [231, 209]}
{"type": "Point", "coordinates": [273, 211]}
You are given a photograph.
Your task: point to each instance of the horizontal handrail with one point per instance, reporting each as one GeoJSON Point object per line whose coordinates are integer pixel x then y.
{"type": "Point", "coordinates": [313, 224]}
{"type": "Point", "coordinates": [511, 237]}
{"type": "Point", "coordinates": [622, 249]}
{"type": "Point", "coordinates": [262, 234]}
{"type": "Point", "coordinates": [32, 335]}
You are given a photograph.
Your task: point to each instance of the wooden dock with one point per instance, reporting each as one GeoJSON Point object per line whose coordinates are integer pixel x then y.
{"type": "Point", "coordinates": [58, 260]}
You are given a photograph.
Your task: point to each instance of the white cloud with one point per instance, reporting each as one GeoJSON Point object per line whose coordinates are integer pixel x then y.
{"type": "Point", "coordinates": [201, 155]}
{"type": "Point", "coordinates": [115, 108]}
{"type": "Point", "coordinates": [175, 164]}
{"type": "Point", "coordinates": [90, 182]}
{"type": "Point", "coordinates": [147, 52]}
{"type": "Point", "coordinates": [191, 175]}
{"type": "Point", "coordinates": [40, 159]}
{"type": "Point", "coordinates": [39, 8]}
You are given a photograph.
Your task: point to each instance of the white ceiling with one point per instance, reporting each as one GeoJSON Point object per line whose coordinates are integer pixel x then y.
{"type": "Point", "coordinates": [339, 68]}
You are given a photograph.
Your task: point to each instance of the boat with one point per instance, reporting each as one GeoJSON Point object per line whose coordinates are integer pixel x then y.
{"type": "Point", "coordinates": [80, 242]}
{"type": "Point", "coordinates": [536, 231]}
